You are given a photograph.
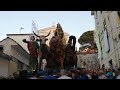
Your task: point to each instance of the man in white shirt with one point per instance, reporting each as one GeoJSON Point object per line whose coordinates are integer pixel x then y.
{"type": "Point", "coordinates": [63, 75]}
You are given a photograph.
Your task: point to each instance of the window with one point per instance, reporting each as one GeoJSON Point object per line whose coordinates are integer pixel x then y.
{"type": "Point", "coordinates": [118, 13]}
{"type": "Point", "coordinates": [1, 48]}
{"type": "Point", "coordinates": [119, 35]}
{"type": "Point", "coordinates": [103, 66]}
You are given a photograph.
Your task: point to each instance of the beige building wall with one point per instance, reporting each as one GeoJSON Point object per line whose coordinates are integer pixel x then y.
{"type": "Point", "coordinates": [18, 54]}
{"type": "Point", "coordinates": [7, 67]}
{"type": "Point", "coordinates": [113, 28]}
{"type": "Point", "coordinates": [4, 67]}
{"type": "Point", "coordinates": [6, 46]}
{"type": "Point", "coordinates": [12, 67]}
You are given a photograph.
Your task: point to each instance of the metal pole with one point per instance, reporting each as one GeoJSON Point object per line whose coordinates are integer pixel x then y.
{"type": "Point", "coordinates": [21, 29]}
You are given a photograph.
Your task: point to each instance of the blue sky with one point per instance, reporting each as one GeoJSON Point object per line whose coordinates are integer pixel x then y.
{"type": "Point", "coordinates": [72, 22]}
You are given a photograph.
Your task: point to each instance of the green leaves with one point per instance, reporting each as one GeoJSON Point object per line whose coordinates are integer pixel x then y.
{"type": "Point", "coordinates": [86, 37]}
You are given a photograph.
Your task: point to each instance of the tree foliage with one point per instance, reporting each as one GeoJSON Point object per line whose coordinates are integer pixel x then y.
{"type": "Point", "coordinates": [87, 37]}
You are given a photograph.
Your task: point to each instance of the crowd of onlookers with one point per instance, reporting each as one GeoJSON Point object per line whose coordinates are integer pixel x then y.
{"type": "Point", "coordinates": [75, 73]}
{"type": "Point", "coordinates": [80, 73]}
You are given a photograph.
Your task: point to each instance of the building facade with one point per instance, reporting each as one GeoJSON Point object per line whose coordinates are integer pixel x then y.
{"type": "Point", "coordinates": [107, 38]}
{"type": "Point", "coordinates": [13, 58]}
{"type": "Point", "coordinates": [4, 64]}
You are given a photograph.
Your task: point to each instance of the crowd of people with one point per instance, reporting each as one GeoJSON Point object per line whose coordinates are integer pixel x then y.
{"type": "Point", "coordinates": [81, 73]}
{"type": "Point", "coordinates": [75, 73]}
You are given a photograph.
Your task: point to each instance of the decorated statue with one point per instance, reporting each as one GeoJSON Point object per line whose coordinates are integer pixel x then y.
{"type": "Point", "coordinates": [60, 33]}
{"type": "Point", "coordinates": [33, 49]}
{"type": "Point", "coordinates": [57, 50]}
{"type": "Point", "coordinates": [70, 54]}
